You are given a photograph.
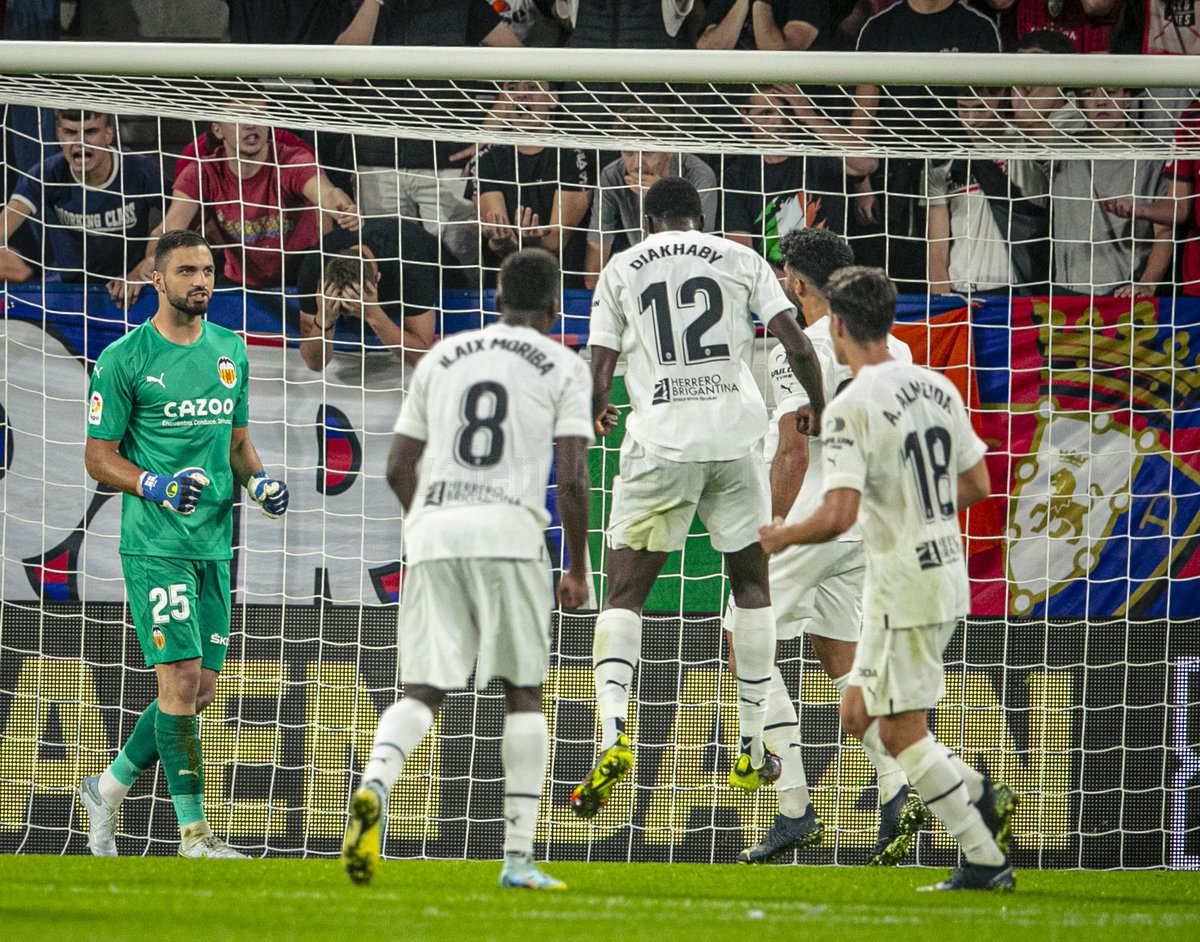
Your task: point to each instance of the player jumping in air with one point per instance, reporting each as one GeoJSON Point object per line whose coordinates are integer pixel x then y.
{"type": "Point", "coordinates": [818, 589]}
{"type": "Point", "coordinates": [487, 411]}
{"type": "Point", "coordinates": [898, 447]}
{"type": "Point", "coordinates": [678, 305]}
{"type": "Point", "coordinates": [167, 415]}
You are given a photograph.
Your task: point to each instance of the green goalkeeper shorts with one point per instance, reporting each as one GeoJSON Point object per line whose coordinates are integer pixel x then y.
{"type": "Point", "coordinates": [180, 608]}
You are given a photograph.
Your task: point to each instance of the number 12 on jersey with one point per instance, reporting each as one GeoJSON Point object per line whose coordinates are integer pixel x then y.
{"type": "Point", "coordinates": [696, 349]}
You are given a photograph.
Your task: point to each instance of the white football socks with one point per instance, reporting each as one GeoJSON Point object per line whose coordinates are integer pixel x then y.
{"type": "Point", "coordinates": [942, 788]}
{"type": "Point", "coordinates": [401, 729]}
{"type": "Point", "coordinates": [112, 789]}
{"type": "Point", "coordinates": [781, 733]}
{"type": "Point", "coordinates": [616, 648]}
{"type": "Point", "coordinates": [970, 776]}
{"type": "Point", "coordinates": [753, 631]}
{"type": "Point", "coordinates": [524, 750]}
{"type": "Point", "coordinates": [889, 777]}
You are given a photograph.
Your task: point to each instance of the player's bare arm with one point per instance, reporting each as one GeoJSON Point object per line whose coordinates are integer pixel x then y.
{"type": "Point", "coordinates": [604, 365]}
{"type": "Point", "coordinates": [271, 495]}
{"type": "Point", "coordinates": [402, 468]}
{"type": "Point", "coordinates": [835, 516]}
{"type": "Point", "coordinates": [105, 465]}
{"type": "Point", "coordinates": [243, 457]}
{"type": "Point", "coordinates": [802, 359]}
{"type": "Point", "coordinates": [974, 485]}
{"type": "Point", "coordinates": [574, 491]}
{"type": "Point", "coordinates": [789, 465]}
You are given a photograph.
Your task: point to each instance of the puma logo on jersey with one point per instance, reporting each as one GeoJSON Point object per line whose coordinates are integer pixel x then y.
{"type": "Point", "coordinates": [617, 683]}
{"type": "Point", "coordinates": [97, 370]}
{"type": "Point", "coordinates": [157, 379]}
{"type": "Point", "coordinates": [186, 772]}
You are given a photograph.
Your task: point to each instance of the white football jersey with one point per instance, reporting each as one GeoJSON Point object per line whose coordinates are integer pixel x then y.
{"type": "Point", "coordinates": [790, 396]}
{"type": "Point", "coordinates": [488, 404]}
{"type": "Point", "coordinates": [900, 436]}
{"type": "Point", "coordinates": [678, 306]}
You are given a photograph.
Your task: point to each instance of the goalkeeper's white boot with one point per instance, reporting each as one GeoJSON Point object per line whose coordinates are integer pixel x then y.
{"type": "Point", "coordinates": [102, 819]}
{"type": "Point", "coordinates": [521, 873]}
{"type": "Point", "coordinates": [198, 840]}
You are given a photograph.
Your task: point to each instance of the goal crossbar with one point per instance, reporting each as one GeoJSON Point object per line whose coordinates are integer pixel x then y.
{"type": "Point", "coordinates": [591, 65]}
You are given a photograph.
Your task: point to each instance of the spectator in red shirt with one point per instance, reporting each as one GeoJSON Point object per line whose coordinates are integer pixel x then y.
{"type": "Point", "coordinates": [1179, 204]}
{"type": "Point", "coordinates": [205, 145]}
{"type": "Point", "coordinates": [263, 199]}
{"type": "Point", "coordinates": [1090, 24]}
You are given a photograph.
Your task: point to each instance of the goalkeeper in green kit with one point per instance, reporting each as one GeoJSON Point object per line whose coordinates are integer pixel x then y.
{"type": "Point", "coordinates": [167, 415]}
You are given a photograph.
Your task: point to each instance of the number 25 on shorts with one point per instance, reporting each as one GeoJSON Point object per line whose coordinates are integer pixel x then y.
{"type": "Point", "coordinates": [170, 602]}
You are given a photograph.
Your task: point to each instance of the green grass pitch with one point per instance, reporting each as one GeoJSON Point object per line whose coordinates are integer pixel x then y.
{"type": "Point", "coordinates": [164, 899]}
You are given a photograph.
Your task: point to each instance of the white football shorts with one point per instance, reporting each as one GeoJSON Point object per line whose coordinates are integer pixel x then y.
{"type": "Point", "coordinates": [900, 669]}
{"type": "Point", "coordinates": [655, 499]}
{"type": "Point", "coordinates": [818, 589]}
{"type": "Point", "coordinates": [490, 614]}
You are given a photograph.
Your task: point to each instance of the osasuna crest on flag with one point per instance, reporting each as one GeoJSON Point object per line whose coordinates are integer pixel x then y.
{"type": "Point", "coordinates": [1099, 424]}
{"type": "Point", "coordinates": [227, 371]}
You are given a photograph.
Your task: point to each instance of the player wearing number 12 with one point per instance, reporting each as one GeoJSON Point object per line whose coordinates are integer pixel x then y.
{"type": "Point", "coordinates": [898, 449]}
{"type": "Point", "coordinates": [679, 305]}
{"type": "Point", "coordinates": [167, 427]}
{"type": "Point", "coordinates": [487, 411]}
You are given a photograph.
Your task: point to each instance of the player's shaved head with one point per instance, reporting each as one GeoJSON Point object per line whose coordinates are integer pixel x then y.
{"type": "Point", "coordinates": [176, 239]}
{"type": "Point", "coordinates": [815, 254]}
{"type": "Point", "coordinates": [864, 299]}
{"type": "Point", "coordinates": [529, 289]}
{"type": "Point", "coordinates": [674, 203]}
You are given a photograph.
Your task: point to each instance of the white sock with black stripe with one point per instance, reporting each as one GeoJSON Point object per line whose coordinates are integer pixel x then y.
{"type": "Point", "coordinates": [889, 777]}
{"type": "Point", "coordinates": [524, 750]}
{"type": "Point", "coordinates": [401, 729]}
{"type": "Point", "coordinates": [616, 647]}
{"type": "Point", "coordinates": [753, 631]}
{"type": "Point", "coordinates": [970, 776]}
{"type": "Point", "coordinates": [941, 787]}
{"type": "Point", "coordinates": [781, 733]}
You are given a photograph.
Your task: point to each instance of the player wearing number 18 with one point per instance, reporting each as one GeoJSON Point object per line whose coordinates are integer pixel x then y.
{"type": "Point", "coordinates": [679, 305]}
{"type": "Point", "coordinates": [898, 449]}
{"type": "Point", "coordinates": [167, 427]}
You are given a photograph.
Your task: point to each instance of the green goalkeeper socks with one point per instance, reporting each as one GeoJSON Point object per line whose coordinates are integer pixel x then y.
{"type": "Point", "coordinates": [178, 739]}
{"type": "Point", "coordinates": [140, 751]}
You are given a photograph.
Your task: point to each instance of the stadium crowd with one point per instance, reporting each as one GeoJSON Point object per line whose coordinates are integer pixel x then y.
{"type": "Point", "coordinates": [290, 207]}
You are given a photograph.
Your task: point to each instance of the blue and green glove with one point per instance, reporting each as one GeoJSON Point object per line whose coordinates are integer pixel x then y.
{"type": "Point", "coordinates": [179, 493]}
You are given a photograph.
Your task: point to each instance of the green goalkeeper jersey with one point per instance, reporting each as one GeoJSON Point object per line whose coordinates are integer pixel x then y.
{"type": "Point", "coordinates": [174, 406]}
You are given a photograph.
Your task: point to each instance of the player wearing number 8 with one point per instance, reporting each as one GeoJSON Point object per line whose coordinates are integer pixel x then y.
{"type": "Point", "coordinates": [898, 449]}
{"type": "Point", "coordinates": [486, 413]}
{"type": "Point", "coordinates": [171, 394]}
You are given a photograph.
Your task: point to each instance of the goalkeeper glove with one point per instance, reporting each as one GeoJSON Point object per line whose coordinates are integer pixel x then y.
{"type": "Point", "coordinates": [180, 493]}
{"type": "Point", "coordinates": [269, 494]}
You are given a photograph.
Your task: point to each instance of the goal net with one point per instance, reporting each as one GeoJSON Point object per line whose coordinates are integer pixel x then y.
{"type": "Point", "coordinates": [1041, 224]}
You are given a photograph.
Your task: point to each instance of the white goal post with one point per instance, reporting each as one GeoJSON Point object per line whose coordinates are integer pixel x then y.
{"type": "Point", "coordinates": [1076, 679]}
{"type": "Point", "coordinates": [226, 84]}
